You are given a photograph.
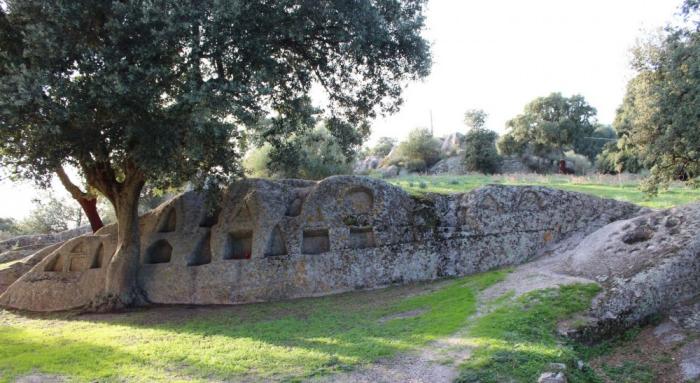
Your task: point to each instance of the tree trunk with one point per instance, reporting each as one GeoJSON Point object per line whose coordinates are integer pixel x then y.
{"type": "Point", "coordinates": [121, 285]}
{"type": "Point", "coordinates": [87, 202]}
{"type": "Point", "coordinates": [89, 206]}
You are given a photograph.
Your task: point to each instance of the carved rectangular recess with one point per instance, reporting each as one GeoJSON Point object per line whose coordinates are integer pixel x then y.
{"type": "Point", "coordinates": [201, 255]}
{"type": "Point", "coordinates": [239, 245]}
{"type": "Point", "coordinates": [315, 241]}
{"type": "Point", "coordinates": [79, 263]}
{"type": "Point", "coordinates": [361, 238]}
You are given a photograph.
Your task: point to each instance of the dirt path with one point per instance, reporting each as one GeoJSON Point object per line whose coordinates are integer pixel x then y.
{"type": "Point", "coordinates": [439, 361]}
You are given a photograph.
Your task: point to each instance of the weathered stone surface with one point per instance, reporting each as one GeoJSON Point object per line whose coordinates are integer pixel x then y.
{"type": "Point", "coordinates": [366, 165]}
{"type": "Point", "coordinates": [690, 361]}
{"type": "Point", "coordinates": [450, 165]}
{"type": "Point", "coordinates": [284, 239]}
{"type": "Point", "coordinates": [453, 144]}
{"type": "Point", "coordinates": [41, 239]}
{"type": "Point", "coordinates": [552, 377]}
{"type": "Point", "coordinates": [646, 266]}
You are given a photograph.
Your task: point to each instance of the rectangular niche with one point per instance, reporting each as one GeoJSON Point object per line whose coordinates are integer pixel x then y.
{"type": "Point", "coordinates": [315, 242]}
{"type": "Point", "coordinates": [79, 263]}
{"type": "Point", "coordinates": [239, 245]}
{"type": "Point", "coordinates": [361, 238]}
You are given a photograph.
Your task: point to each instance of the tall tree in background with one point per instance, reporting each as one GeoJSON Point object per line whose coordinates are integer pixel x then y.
{"type": "Point", "coordinates": [548, 125]}
{"type": "Point", "coordinates": [659, 116]}
{"type": "Point", "coordinates": [475, 118]}
{"type": "Point", "coordinates": [130, 92]}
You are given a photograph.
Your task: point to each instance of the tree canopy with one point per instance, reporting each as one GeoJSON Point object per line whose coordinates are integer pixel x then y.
{"type": "Point", "coordinates": [475, 118]}
{"type": "Point", "coordinates": [659, 119]}
{"type": "Point", "coordinates": [550, 125]}
{"type": "Point", "coordinates": [419, 151]}
{"type": "Point", "coordinates": [131, 92]}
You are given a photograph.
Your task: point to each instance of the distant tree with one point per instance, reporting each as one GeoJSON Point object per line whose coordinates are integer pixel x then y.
{"type": "Point", "coordinates": [659, 116]}
{"type": "Point", "coordinates": [418, 152]}
{"type": "Point", "coordinates": [592, 145]}
{"type": "Point", "coordinates": [480, 151]}
{"type": "Point", "coordinates": [552, 124]}
{"type": "Point", "coordinates": [475, 118]}
{"type": "Point", "coordinates": [313, 155]}
{"type": "Point", "coordinates": [131, 92]}
{"type": "Point", "coordinates": [9, 226]}
{"type": "Point", "coordinates": [51, 215]}
{"type": "Point", "coordinates": [383, 146]}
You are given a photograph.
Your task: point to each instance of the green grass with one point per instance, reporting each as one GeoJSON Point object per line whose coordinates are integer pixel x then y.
{"type": "Point", "coordinates": [619, 188]}
{"type": "Point", "coordinates": [517, 341]}
{"type": "Point", "coordinates": [284, 341]}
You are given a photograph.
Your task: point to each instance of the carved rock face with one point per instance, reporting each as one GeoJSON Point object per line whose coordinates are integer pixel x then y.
{"type": "Point", "coordinates": [292, 238]}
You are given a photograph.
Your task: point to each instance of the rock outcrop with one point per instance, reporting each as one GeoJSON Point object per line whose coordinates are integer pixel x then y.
{"type": "Point", "coordinates": [284, 239]}
{"type": "Point", "coordinates": [646, 265]}
{"type": "Point", "coordinates": [18, 255]}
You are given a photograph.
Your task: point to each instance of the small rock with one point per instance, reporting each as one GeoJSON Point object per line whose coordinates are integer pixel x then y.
{"type": "Point", "coordinates": [552, 377]}
{"type": "Point", "coordinates": [580, 365]}
{"type": "Point", "coordinates": [639, 234]}
{"type": "Point", "coordinates": [557, 366]}
{"type": "Point", "coordinates": [690, 363]}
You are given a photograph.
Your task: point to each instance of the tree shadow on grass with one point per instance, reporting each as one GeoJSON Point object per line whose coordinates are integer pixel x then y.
{"type": "Point", "coordinates": [274, 341]}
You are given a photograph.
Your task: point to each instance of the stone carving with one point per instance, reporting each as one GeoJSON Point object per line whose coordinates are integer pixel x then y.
{"type": "Point", "coordinates": [315, 241]}
{"type": "Point", "coordinates": [169, 222]}
{"type": "Point", "coordinates": [276, 245]}
{"type": "Point", "coordinates": [239, 245]}
{"type": "Point", "coordinates": [292, 238]}
{"type": "Point", "coordinates": [159, 252]}
{"type": "Point", "coordinates": [202, 252]}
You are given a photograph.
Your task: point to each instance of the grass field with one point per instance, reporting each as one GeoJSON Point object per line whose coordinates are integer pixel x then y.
{"type": "Point", "coordinates": [624, 188]}
{"type": "Point", "coordinates": [283, 341]}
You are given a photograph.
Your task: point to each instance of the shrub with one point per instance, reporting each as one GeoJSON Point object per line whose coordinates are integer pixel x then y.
{"type": "Point", "coordinates": [480, 151]}
{"type": "Point", "coordinates": [383, 147]}
{"type": "Point", "coordinates": [581, 163]}
{"type": "Point", "coordinates": [314, 155]}
{"type": "Point", "coordinates": [418, 152]}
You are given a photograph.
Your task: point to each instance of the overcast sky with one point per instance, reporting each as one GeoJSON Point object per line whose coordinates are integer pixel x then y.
{"type": "Point", "coordinates": [498, 55]}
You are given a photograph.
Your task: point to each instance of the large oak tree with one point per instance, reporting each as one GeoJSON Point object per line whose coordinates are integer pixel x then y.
{"type": "Point", "coordinates": [137, 91]}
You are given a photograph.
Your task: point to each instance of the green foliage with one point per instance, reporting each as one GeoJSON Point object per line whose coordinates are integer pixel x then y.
{"type": "Point", "coordinates": [516, 341]}
{"type": "Point", "coordinates": [134, 92]}
{"type": "Point", "coordinates": [283, 341]}
{"type": "Point", "coordinates": [480, 151]}
{"type": "Point", "coordinates": [8, 225]}
{"type": "Point", "coordinates": [582, 164]}
{"type": "Point", "coordinates": [418, 152]}
{"type": "Point", "coordinates": [314, 154]}
{"type": "Point", "coordinates": [658, 117]}
{"type": "Point", "coordinates": [383, 146]}
{"type": "Point", "coordinates": [475, 118]}
{"type": "Point", "coordinates": [593, 145]}
{"type": "Point", "coordinates": [618, 157]}
{"type": "Point", "coordinates": [551, 124]}
{"type": "Point", "coordinates": [256, 162]}
{"type": "Point", "coordinates": [52, 215]}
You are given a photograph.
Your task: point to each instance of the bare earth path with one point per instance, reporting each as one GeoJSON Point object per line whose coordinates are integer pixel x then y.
{"type": "Point", "coordinates": [439, 361]}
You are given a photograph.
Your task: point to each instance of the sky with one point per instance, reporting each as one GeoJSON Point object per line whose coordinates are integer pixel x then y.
{"type": "Point", "coordinates": [498, 55]}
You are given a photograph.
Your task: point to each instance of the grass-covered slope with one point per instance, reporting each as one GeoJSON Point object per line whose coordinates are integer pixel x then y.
{"type": "Point", "coordinates": [623, 188]}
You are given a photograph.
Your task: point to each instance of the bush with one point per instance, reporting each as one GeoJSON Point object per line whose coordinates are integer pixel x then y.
{"type": "Point", "coordinates": [615, 160]}
{"type": "Point", "coordinates": [52, 215]}
{"type": "Point", "coordinates": [480, 151]}
{"type": "Point", "coordinates": [312, 155]}
{"type": "Point", "coordinates": [383, 147]}
{"type": "Point", "coordinates": [581, 163]}
{"type": "Point", "coordinates": [418, 152]}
